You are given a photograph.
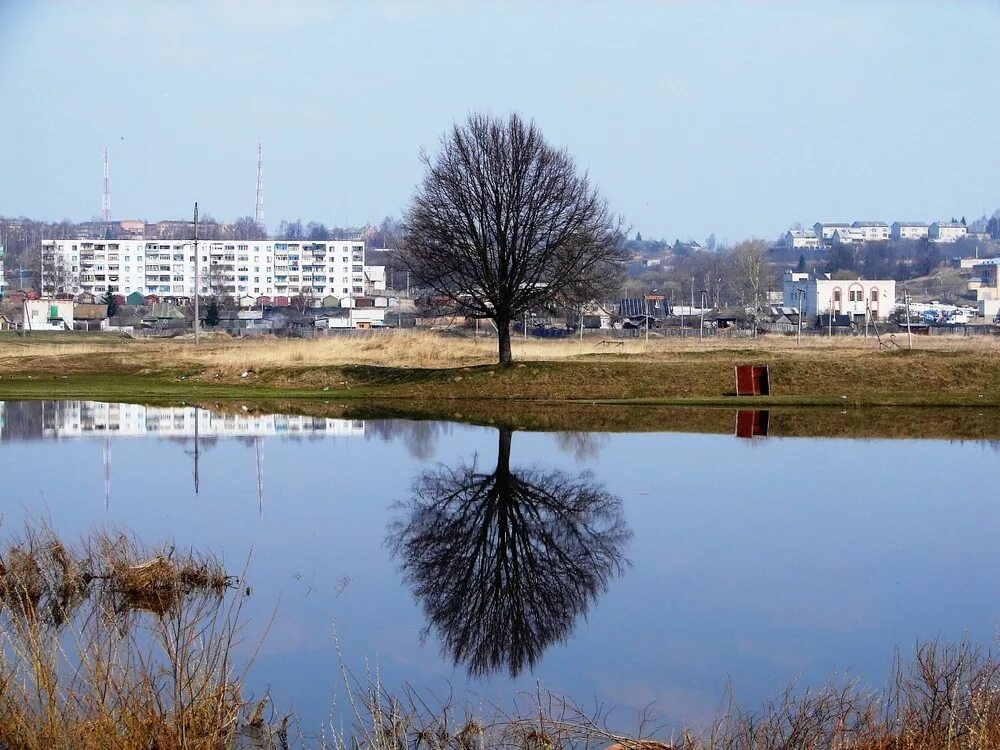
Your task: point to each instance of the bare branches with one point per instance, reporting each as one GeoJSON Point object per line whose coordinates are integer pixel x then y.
{"type": "Point", "coordinates": [502, 222]}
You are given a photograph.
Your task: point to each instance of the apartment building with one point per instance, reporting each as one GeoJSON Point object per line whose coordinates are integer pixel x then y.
{"type": "Point", "coordinates": [819, 294]}
{"type": "Point", "coordinates": [804, 239]}
{"type": "Point", "coordinates": [264, 268]}
{"type": "Point", "coordinates": [947, 231]}
{"type": "Point", "coordinates": [909, 230]}
{"type": "Point", "coordinates": [872, 231]}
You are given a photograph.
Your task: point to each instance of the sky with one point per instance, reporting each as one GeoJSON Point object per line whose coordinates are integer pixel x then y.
{"type": "Point", "coordinates": [692, 118]}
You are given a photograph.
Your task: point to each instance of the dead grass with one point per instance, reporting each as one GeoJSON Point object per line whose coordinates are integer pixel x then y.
{"type": "Point", "coordinates": [946, 697]}
{"type": "Point", "coordinates": [111, 644]}
{"type": "Point", "coordinates": [422, 349]}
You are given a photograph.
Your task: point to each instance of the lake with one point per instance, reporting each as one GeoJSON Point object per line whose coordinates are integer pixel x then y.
{"type": "Point", "coordinates": [625, 569]}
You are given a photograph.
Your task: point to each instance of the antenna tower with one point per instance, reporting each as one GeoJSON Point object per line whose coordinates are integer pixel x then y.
{"type": "Point", "coordinates": [258, 212]}
{"type": "Point", "coordinates": [106, 197]}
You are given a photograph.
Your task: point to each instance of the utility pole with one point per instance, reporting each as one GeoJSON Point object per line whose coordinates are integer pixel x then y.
{"type": "Point", "coordinates": [701, 330]}
{"type": "Point", "coordinates": [106, 195]}
{"type": "Point", "coordinates": [197, 285]}
{"type": "Point", "coordinates": [798, 334]}
{"type": "Point", "coordinates": [581, 322]}
{"type": "Point", "coordinates": [258, 212]}
{"type": "Point", "coordinates": [829, 318]}
{"type": "Point", "coordinates": [909, 335]}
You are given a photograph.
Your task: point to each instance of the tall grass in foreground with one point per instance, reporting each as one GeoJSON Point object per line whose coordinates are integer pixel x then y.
{"type": "Point", "coordinates": [115, 645]}
{"type": "Point", "coordinates": [947, 697]}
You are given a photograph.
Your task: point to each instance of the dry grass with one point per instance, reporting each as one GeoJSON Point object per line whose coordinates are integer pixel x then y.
{"type": "Point", "coordinates": [115, 645]}
{"type": "Point", "coordinates": [417, 349]}
{"type": "Point", "coordinates": [946, 697]}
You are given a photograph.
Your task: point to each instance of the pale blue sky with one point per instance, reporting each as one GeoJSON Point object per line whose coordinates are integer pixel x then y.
{"type": "Point", "coordinates": [737, 118]}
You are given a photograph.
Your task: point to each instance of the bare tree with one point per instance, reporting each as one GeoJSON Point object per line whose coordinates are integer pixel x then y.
{"type": "Point", "coordinates": [505, 561]}
{"type": "Point", "coordinates": [245, 228]}
{"type": "Point", "coordinates": [503, 222]}
{"type": "Point", "coordinates": [752, 274]}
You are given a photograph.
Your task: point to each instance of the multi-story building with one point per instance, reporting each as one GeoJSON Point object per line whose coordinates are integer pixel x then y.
{"type": "Point", "coordinates": [847, 236]}
{"type": "Point", "coordinates": [234, 268]}
{"type": "Point", "coordinates": [819, 294]}
{"type": "Point", "coordinates": [824, 230]}
{"type": "Point", "coordinates": [804, 239]}
{"type": "Point", "coordinates": [947, 231]}
{"type": "Point", "coordinates": [909, 230]}
{"type": "Point", "coordinates": [872, 231]}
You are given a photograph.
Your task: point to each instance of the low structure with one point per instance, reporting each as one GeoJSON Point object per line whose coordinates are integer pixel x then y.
{"type": "Point", "coordinates": [48, 315]}
{"type": "Point", "coordinates": [820, 293]}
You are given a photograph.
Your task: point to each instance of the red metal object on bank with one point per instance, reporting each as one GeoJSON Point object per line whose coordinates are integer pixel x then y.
{"type": "Point", "coordinates": [752, 380]}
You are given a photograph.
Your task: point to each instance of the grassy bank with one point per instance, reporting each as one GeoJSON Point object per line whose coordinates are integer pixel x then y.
{"type": "Point", "coordinates": [418, 372]}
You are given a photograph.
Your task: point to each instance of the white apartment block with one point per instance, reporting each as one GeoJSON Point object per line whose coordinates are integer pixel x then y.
{"type": "Point", "coordinates": [824, 230]}
{"type": "Point", "coordinates": [804, 239]}
{"type": "Point", "coordinates": [947, 231]}
{"type": "Point", "coordinates": [847, 236]}
{"type": "Point", "coordinates": [872, 231]}
{"type": "Point", "coordinates": [819, 293]}
{"type": "Point", "coordinates": [909, 230]}
{"type": "Point", "coordinates": [258, 268]}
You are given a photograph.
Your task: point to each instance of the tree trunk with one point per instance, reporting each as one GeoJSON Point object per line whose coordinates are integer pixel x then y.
{"type": "Point", "coordinates": [503, 339]}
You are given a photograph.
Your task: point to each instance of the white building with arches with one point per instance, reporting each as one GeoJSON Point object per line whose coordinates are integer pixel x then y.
{"type": "Point", "coordinates": [819, 294]}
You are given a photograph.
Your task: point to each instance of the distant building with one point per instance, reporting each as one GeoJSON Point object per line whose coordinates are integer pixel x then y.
{"type": "Point", "coordinates": [872, 231]}
{"type": "Point", "coordinates": [801, 239]}
{"type": "Point", "coordinates": [48, 315]}
{"type": "Point", "coordinates": [847, 236]}
{"type": "Point", "coordinates": [909, 230]}
{"type": "Point", "coordinates": [374, 279]}
{"type": "Point", "coordinates": [230, 268]}
{"type": "Point", "coordinates": [853, 297]}
{"type": "Point", "coordinates": [824, 230]}
{"type": "Point", "coordinates": [947, 231]}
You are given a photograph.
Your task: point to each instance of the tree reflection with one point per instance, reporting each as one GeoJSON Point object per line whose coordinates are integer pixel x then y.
{"type": "Point", "coordinates": [504, 562]}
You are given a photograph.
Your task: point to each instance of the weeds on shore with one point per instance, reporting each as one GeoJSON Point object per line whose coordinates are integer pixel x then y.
{"type": "Point", "coordinates": [116, 645]}
{"type": "Point", "coordinates": [947, 697]}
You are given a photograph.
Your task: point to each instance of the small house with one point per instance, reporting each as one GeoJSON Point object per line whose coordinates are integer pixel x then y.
{"type": "Point", "coordinates": [135, 299]}
{"type": "Point", "coordinates": [89, 317]}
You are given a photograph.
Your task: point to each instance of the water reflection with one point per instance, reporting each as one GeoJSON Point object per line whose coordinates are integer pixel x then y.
{"type": "Point", "coordinates": [504, 562]}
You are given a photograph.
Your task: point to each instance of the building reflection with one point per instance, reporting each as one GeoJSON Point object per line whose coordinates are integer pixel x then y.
{"type": "Point", "coordinates": [504, 562]}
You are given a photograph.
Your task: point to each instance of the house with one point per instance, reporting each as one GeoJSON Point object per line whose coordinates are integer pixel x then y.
{"type": "Point", "coordinates": [86, 298]}
{"type": "Point", "coordinates": [872, 231]}
{"type": "Point", "coordinates": [362, 318]}
{"type": "Point", "coordinates": [165, 315]}
{"type": "Point", "coordinates": [847, 236]}
{"type": "Point", "coordinates": [947, 231]}
{"type": "Point", "coordinates": [820, 292]}
{"type": "Point", "coordinates": [908, 230]}
{"type": "Point", "coordinates": [801, 239]}
{"type": "Point", "coordinates": [48, 315]}
{"type": "Point", "coordinates": [135, 299]}
{"type": "Point", "coordinates": [824, 230]}
{"type": "Point", "coordinates": [89, 317]}
{"type": "Point", "coordinates": [126, 321]}
{"type": "Point", "coordinates": [374, 279]}
{"type": "Point", "coordinates": [596, 315]}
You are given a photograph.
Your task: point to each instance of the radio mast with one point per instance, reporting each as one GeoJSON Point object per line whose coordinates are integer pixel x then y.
{"type": "Point", "coordinates": [258, 212]}
{"type": "Point", "coordinates": [106, 197]}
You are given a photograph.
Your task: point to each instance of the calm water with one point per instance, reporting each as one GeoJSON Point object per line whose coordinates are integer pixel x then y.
{"type": "Point", "coordinates": [626, 568]}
